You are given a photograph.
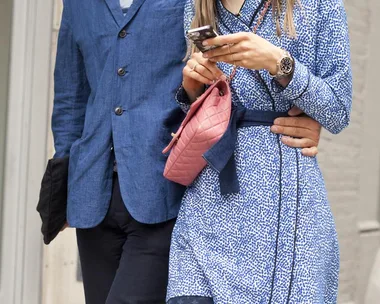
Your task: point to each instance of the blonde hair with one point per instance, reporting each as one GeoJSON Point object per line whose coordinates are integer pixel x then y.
{"type": "Point", "coordinates": [205, 14]}
{"type": "Point", "coordinates": [289, 26]}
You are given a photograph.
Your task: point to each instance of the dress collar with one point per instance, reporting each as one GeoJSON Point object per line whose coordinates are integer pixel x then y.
{"type": "Point", "coordinates": [246, 18]}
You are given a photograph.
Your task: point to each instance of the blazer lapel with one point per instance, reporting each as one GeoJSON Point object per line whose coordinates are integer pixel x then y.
{"type": "Point", "coordinates": [116, 11]}
{"type": "Point", "coordinates": [131, 11]}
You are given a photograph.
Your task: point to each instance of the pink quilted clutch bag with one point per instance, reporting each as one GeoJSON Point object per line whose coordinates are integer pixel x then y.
{"type": "Point", "coordinates": [204, 124]}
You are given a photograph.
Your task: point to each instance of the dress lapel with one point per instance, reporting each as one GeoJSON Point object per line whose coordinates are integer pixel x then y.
{"type": "Point", "coordinates": [229, 22]}
{"type": "Point", "coordinates": [244, 21]}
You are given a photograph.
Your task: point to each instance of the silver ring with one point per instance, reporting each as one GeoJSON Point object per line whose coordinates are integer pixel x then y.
{"type": "Point", "coordinates": [194, 67]}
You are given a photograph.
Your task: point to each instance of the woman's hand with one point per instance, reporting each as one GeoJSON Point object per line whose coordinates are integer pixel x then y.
{"type": "Point", "coordinates": [197, 73]}
{"type": "Point", "coordinates": [247, 50]}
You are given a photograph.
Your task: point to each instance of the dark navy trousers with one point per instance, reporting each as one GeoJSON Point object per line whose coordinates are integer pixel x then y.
{"type": "Point", "coordinates": [122, 260]}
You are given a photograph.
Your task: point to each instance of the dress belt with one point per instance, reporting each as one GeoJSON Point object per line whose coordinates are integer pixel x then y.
{"type": "Point", "coordinates": [221, 156]}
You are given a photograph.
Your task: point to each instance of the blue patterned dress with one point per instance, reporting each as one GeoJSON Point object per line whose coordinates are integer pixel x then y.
{"type": "Point", "coordinates": [275, 241]}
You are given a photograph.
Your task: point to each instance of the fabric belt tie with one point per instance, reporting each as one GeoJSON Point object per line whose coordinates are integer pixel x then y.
{"type": "Point", "coordinates": [221, 156]}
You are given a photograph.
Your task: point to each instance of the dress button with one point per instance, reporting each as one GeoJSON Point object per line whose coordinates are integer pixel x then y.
{"type": "Point", "coordinates": [123, 34]}
{"type": "Point", "coordinates": [118, 111]}
{"type": "Point", "coordinates": [121, 72]}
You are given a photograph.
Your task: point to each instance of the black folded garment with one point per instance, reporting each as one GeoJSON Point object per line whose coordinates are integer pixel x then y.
{"type": "Point", "coordinates": [52, 204]}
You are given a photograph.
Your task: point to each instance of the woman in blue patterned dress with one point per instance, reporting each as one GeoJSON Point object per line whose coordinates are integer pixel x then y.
{"type": "Point", "coordinates": [274, 241]}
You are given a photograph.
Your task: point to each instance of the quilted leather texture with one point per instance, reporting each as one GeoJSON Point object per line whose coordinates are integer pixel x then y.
{"type": "Point", "coordinates": [204, 124]}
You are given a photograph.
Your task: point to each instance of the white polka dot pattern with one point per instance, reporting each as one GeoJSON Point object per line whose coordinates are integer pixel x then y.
{"type": "Point", "coordinates": [275, 241]}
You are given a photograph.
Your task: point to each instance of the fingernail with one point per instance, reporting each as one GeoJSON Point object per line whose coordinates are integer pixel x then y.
{"type": "Point", "coordinates": [284, 139]}
{"type": "Point", "coordinates": [205, 55]}
{"type": "Point", "coordinates": [274, 129]}
{"type": "Point", "coordinates": [278, 121]}
{"type": "Point", "coordinates": [223, 77]}
{"type": "Point", "coordinates": [205, 43]}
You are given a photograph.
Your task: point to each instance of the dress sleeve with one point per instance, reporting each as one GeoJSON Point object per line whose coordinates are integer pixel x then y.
{"type": "Point", "coordinates": [182, 99]}
{"type": "Point", "coordinates": [71, 90]}
{"type": "Point", "coordinates": [181, 96]}
{"type": "Point", "coordinates": [327, 95]}
{"type": "Point", "coordinates": [188, 17]}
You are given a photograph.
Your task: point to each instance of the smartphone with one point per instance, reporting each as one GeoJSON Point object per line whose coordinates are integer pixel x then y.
{"type": "Point", "coordinates": [199, 34]}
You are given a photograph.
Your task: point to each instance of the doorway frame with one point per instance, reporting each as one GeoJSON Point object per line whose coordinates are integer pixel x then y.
{"type": "Point", "coordinates": [25, 151]}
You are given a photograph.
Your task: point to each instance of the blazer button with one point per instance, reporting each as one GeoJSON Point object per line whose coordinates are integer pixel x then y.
{"type": "Point", "coordinates": [123, 34]}
{"type": "Point", "coordinates": [118, 111]}
{"type": "Point", "coordinates": [121, 72]}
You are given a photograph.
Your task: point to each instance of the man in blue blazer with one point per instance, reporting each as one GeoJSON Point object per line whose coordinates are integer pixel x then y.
{"type": "Point", "coordinates": [117, 71]}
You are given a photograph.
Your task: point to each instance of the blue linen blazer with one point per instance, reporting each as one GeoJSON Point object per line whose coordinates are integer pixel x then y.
{"type": "Point", "coordinates": [115, 83]}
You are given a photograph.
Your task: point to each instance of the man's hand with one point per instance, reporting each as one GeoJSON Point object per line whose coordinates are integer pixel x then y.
{"type": "Point", "coordinates": [301, 131]}
{"type": "Point", "coordinates": [65, 226]}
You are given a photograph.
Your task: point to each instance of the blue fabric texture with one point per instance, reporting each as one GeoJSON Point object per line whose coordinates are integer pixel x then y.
{"type": "Point", "coordinates": [275, 240]}
{"type": "Point", "coordinates": [116, 78]}
{"type": "Point", "coordinates": [191, 300]}
{"type": "Point", "coordinates": [221, 156]}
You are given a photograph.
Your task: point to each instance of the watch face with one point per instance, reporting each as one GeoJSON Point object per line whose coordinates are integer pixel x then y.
{"type": "Point", "coordinates": [286, 65]}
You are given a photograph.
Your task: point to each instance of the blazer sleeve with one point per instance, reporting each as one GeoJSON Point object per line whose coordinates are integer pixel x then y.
{"type": "Point", "coordinates": [181, 95]}
{"type": "Point", "coordinates": [326, 95]}
{"type": "Point", "coordinates": [71, 90]}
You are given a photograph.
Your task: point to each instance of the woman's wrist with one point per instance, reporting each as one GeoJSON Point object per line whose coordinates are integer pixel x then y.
{"type": "Point", "coordinates": [193, 92]}
{"type": "Point", "coordinates": [282, 76]}
{"type": "Point", "coordinates": [275, 56]}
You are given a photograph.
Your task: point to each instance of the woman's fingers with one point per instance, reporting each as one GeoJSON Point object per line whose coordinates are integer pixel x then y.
{"type": "Point", "coordinates": [227, 39]}
{"type": "Point", "coordinates": [233, 58]}
{"type": "Point", "coordinates": [201, 70]}
{"type": "Point", "coordinates": [193, 74]}
{"type": "Point", "coordinates": [229, 53]}
{"type": "Point", "coordinates": [220, 51]}
{"type": "Point", "coordinates": [195, 67]}
{"type": "Point", "coordinates": [210, 66]}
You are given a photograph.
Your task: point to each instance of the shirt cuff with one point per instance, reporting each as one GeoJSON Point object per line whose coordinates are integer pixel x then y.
{"type": "Point", "coordinates": [297, 86]}
{"type": "Point", "coordinates": [182, 99]}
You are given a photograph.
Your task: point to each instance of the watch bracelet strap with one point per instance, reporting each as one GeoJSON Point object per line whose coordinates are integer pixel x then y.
{"type": "Point", "coordinates": [277, 76]}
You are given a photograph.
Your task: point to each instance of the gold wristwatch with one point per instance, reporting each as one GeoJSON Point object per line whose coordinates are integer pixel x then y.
{"type": "Point", "coordinates": [285, 66]}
